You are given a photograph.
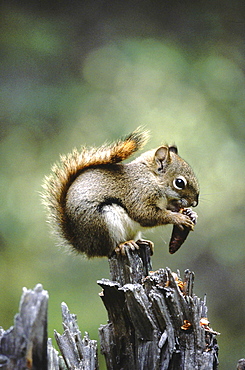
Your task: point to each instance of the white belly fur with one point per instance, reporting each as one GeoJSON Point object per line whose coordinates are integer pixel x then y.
{"type": "Point", "coordinates": [121, 227]}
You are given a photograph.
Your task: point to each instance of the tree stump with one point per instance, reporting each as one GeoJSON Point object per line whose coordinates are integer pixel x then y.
{"type": "Point", "coordinates": [155, 323]}
{"type": "Point", "coordinates": [77, 352]}
{"type": "Point", "coordinates": [24, 345]}
{"type": "Point", "coordinates": [155, 320]}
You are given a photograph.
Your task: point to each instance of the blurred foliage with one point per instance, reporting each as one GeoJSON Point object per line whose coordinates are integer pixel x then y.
{"type": "Point", "coordinates": [76, 73]}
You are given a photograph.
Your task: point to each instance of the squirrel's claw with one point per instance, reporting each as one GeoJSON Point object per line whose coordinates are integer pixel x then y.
{"type": "Point", "coordinates": [182, 220]}
{"type": "Point", "coordinates": [146, 242]}
{"type": "Point", "coordinates": [133, 245]}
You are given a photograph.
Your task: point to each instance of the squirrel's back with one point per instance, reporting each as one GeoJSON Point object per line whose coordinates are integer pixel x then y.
{"type": "Point", "coordinates": [64, 173]}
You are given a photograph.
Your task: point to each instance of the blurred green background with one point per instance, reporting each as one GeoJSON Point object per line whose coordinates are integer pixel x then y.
{"type": "Point", "coordinates": [86, 72]}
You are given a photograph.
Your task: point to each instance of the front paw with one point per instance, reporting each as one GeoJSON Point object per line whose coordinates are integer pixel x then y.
{"type": "Point", "coordinates": [182, 220]}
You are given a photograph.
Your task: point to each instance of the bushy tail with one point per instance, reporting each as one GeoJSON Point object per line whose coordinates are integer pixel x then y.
{"type": "Point", "coordinates": [70, 166]}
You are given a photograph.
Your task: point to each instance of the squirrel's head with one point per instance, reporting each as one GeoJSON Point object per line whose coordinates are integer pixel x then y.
{"type": "Point", "coordinates": [180, 183]}
{"type": "Point", "coordinates": [174, 176]}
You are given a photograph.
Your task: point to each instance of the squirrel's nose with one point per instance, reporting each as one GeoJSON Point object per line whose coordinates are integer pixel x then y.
{"type": "Point", "coordinates": [195, 203]}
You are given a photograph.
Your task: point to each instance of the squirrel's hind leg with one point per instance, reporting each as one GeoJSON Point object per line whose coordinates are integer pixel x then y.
{"type": "Point", "coordinates": [122, 229]}
{"type": "Point", "coordinates": [132, 244]}
{"type": "Point", "coordinates": [146, 242]}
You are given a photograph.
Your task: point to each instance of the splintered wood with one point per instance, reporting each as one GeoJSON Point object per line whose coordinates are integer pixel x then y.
{"type": "Point", "coordinates": [155, 320]}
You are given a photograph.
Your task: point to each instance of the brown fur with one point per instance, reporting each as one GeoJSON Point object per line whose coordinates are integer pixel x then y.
{"type": "Point", "coordinates": [96, 203]}
{"type": "Point", "coordinates": [71, 166]}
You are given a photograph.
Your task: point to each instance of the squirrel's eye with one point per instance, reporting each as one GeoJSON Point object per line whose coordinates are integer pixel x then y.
{"type": "Point", "coordinates": [180, 183]}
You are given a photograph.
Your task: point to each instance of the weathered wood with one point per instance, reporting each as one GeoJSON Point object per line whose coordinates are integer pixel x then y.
{"type": "Point", "coordinates": [131, 267]}
{"type": "Point", "coordinates": [241, 364]}
{"type": "Point", "coordinates": [77, 352]}
{"type": "Point", "coordinates": [53, 357]}
{"type": "Point", "coordinates": [155, 320]}
{"type": "Point", "coordinates": [25, 343]}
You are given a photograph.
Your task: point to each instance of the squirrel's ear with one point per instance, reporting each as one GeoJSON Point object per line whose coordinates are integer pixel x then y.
{"type": "Point", "coordinates": [162, 158]}
{"type": "Point", "coordinates": [173, 149]}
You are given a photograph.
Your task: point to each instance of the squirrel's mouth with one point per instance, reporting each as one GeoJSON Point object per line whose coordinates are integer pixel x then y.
{"type": "Point", "coordinates": [176, 205]}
